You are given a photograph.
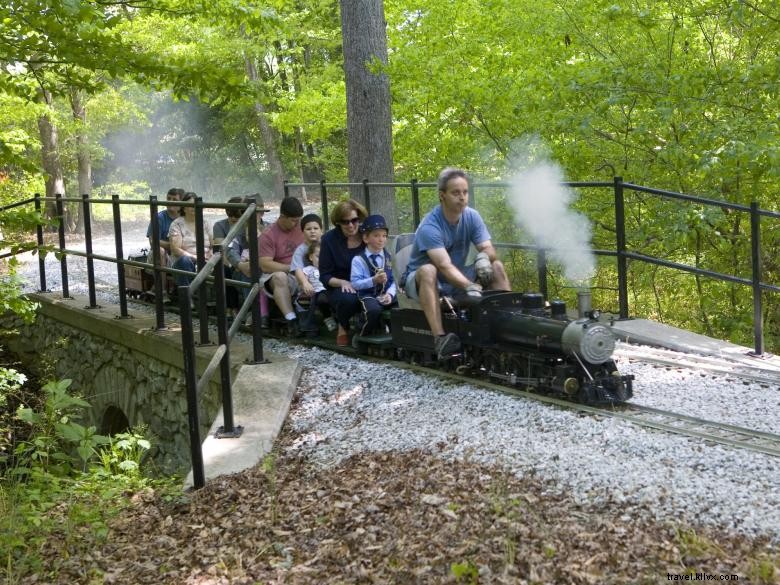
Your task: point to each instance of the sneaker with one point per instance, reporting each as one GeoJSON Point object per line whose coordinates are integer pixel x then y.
{"type": "Point", "coordinates": [446, 346]}
{"type": "Point", "coordinates": [330, 324]}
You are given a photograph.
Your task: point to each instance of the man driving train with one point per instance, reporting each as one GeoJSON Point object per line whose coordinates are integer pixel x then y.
{"type": "Point", "coordinates": [438, 260]}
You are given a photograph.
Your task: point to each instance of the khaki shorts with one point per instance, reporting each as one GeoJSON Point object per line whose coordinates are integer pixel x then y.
{"type": "Point", "coordinates": [445, 288]}
{"type": "Point", "coordinates": [292, 282]}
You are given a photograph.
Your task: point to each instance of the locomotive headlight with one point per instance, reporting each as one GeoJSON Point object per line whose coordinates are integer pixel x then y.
{"type": "Point", "coordinates": [591, 341]}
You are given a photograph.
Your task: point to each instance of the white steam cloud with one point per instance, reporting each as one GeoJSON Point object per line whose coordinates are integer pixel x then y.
{"type": "Point", "coordinates": [541, 207]}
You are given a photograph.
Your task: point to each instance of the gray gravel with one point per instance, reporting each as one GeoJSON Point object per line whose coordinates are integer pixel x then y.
{"type": "Point", "coordinates": [348, 405]}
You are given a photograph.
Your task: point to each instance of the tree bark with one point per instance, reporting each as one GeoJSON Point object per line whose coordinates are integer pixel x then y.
{"type": "Point", "coordinates": [369, 117]}
{"type": "Point", "coordinates": [50, 155]}
{"type": "Point", "coordinates": [82, 154]}
{"type": "Point", "coordinates": [267, 134]}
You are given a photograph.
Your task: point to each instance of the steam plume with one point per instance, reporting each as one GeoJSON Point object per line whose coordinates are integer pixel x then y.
{"type": "Point", "coordinates": [541, 207]}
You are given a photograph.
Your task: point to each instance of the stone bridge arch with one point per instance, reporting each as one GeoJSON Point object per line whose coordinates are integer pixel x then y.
{"type": "Point", "coordinates": [130, 374]}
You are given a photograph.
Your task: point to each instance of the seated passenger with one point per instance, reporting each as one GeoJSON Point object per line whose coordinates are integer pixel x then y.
{"type": "Point", "coordinates": [221, 229]}
{"type": "Point", "coordinates": [238, 255]}
{"type": "Point", "coordinates": [277, 245]}
{"type": "Point", "coordinates": [184, 243]}
{"type": "Point", "coordinates": [371, 275]}
{"type": "Point", "coordinates": [318, 299]}
{"type": "Point", "coordinates": [311, 226]}
{"type": "Point", "coordinates": [437, 264]}
{"type": "Point", "coordinates": [164, 219]}
{"type": "Point", "coordinates": [339, 246]}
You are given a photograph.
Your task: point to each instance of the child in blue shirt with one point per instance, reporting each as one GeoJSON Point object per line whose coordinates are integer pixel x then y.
{"type": "Point", "coordinates": [371, 275]}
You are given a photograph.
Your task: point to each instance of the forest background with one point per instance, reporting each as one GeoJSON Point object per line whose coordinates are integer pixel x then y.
{"type": "Point", "coordinates": [231, 97]}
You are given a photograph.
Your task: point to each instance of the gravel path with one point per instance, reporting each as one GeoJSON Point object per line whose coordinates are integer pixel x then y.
{"type": "Point", "coordinates": [347, 406]}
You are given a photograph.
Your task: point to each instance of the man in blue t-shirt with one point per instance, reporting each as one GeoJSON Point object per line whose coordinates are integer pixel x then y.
{"type": "Point", "coordinates": [164, 220]}
{"type": "Point", "coordinates": [437, 264]}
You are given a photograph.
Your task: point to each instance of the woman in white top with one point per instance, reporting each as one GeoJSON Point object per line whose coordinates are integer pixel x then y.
{"type": "Point", "coordinates": [183, 242]}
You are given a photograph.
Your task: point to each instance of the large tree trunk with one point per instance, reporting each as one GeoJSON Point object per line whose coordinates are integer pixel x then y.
{"type": "Point", "coordinates": [369, 119]}
{"type": "Point", "coordinates": [50, 154]}
{"type": "Point", "coordinates": [84, 160]}
{"type": "Point", "coordinates": [267, 134]}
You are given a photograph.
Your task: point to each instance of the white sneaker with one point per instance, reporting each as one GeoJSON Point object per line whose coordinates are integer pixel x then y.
{"type": "Point", "coordinates": [330, 324]}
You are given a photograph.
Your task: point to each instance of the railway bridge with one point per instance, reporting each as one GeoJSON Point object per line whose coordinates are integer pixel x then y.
{"type": "Point", "coordinates": [132, 374]}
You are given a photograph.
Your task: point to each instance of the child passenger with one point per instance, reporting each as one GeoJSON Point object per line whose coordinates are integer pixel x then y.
{"type": "Point", "coordinates": [318, 299]}
{"type": "Point", "coordinates": [371, 275]}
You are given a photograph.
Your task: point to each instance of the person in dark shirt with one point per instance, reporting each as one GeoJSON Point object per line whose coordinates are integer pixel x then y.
{"type": "Point", "coordinates": [337, 248]}
{"type": "Point", "coordinates": [164, 219]}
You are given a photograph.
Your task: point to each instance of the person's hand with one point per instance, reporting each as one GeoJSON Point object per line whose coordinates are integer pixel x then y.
{"type": "Point", "coordinates": [307, 289]}
{"type": "Point", "coordinates": [384, 299]}
{"type": "Point", "coordinates": [244, 267]}
{"type": "Point", "coordinates": [346, 287]}
{"type": "Point", "coordinates": [484, 268]}
{"type": "Point", "coordinates": [474, 289]}
{"type": "Point", "coordinates": [380, 277]}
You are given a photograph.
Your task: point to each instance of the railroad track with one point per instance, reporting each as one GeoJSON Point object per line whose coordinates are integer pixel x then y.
{"type": "Point", "coordinates": [644, 416]}
{"type": "Point", "coordinates": [762, 371]}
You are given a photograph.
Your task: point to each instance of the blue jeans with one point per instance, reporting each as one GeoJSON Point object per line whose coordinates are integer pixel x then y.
{"type": "Point", "coordinates": [184, 263]}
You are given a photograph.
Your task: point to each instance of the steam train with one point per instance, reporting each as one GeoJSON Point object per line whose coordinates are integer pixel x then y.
{"type": "Point", "coordinates": [514, 338]}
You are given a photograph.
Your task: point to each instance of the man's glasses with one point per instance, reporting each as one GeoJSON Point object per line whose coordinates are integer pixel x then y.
{"type": "Point", "coordinates": [353, 221]}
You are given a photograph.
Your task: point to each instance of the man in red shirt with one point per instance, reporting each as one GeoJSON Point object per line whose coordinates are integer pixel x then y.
{"type": "Point", "coordinates": [277, 245]}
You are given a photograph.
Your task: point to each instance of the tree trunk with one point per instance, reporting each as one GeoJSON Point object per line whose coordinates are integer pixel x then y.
{"type": "Point", "coordinates": [369, 119]}
{"type": "Point", "coordinates": [267, 134]}
{"type": "Point", "coordinates": [50, 155]}
{"type": "Point", "coordinates": [82, 154]}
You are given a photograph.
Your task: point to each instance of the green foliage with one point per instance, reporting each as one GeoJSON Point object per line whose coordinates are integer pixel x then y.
{"type": "Point", "coordinates": [66, 482]}
{"type": "Point", "coordinates": [56, 434]}
{"type": "Point", "coordinates": [465, 572]}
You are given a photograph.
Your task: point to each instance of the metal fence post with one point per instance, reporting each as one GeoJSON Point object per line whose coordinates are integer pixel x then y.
{"type": "Point", "coordinates": [39, 236]}
{"type": "Point", "coordinates": [620, 247]}
{"type": "Point", "coordinates": [87, 215]}
{"type": "Point", "coordinates": [191, 381]}
{"type": "Point", "coordinates": [201, 262]}
{"type": "Point", "coordinates": [228, 428]}
{"type": "Point", "coordinates": [415, 204]}
{"type": "Point", "coordinates": [324, 203]}
{"type": "Point", "coordinates": [755, 254]}
{"type": "Point", "coordinates": [541, 270]}
{"type": "Point", "coordinates": [61, 237]}
{"type": "Point", "coordinates": [367, 196]}
{"type": "Point", "coordinates": [159, 276]}
{"type": "Point", "coordinates": [286, 188]}
{"type": "Point", "coordinates": [120, 269]}
{"type": "Point", "coordinates": [254, 278]}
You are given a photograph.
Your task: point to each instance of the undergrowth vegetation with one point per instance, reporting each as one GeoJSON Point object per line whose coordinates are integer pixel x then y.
{"type": "Point", "coordinates": [59, 478]}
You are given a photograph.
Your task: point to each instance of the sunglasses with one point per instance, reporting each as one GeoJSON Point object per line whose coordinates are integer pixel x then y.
{"type": "Point", "coordinates": [353, 221]}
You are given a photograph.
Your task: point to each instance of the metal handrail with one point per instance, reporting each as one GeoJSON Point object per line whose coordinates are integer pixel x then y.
{"type": "Point", "coordinates": [212, 270]}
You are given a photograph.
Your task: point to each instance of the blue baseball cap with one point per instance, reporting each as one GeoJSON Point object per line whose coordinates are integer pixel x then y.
{"type": "Point", "coordinates": [373, 222]}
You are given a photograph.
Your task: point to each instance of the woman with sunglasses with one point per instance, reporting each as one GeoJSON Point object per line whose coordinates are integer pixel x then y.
{"type": "Point", "coordinates": [337, 248]}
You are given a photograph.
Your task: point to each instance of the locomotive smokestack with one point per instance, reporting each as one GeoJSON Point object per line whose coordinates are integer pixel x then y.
{"type": "Point", "coordinates": [583, 303]}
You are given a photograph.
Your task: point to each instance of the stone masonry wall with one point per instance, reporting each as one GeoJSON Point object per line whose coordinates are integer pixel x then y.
{"type": "Point", "coordinates": [139, 373]}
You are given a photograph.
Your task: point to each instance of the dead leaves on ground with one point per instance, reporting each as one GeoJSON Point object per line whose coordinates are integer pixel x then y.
{"type": "Point", "coordinates": [391, 518]}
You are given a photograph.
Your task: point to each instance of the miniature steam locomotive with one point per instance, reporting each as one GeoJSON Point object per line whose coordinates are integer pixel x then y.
{"type": "Point", "coordinates": [514, 338]}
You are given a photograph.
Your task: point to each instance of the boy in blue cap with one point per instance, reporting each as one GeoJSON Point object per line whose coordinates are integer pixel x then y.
{"type": "Point", "coordinates": [371, 275]}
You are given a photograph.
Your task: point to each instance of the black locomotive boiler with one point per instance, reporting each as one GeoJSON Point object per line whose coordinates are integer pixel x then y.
{"type": "Point", "coordinates": [514, 338]}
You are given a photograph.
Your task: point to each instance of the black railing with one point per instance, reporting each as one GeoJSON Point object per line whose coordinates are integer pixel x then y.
{"type": "Point", "coordinates": [211, 271]}
{"type": "Point", "coordinates": [621, 252]}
